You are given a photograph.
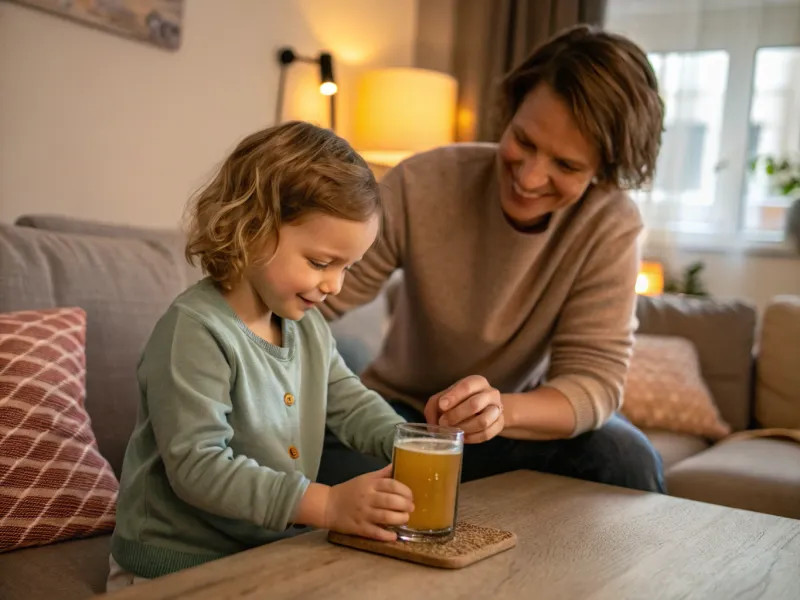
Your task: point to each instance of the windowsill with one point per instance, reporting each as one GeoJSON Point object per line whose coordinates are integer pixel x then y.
{"type": "Point", "coordinates": [658, 243]}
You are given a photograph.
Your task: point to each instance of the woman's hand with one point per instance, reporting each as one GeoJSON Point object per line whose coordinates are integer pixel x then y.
{"type": "Point", "coordinates": [366, 504]}
{"type": "Point", "coordinates": [470, 404]}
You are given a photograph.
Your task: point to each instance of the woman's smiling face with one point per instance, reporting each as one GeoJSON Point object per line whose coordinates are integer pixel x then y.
{"type": "Point", "coordinates": [545, 162]}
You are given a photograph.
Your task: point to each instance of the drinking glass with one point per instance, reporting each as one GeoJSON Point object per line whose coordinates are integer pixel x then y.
{"type": "Point", "coordinates": [427, 458]}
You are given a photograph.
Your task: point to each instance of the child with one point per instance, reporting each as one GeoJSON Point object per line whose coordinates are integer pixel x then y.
{"type": "Point", "coordinates": [241, 375]}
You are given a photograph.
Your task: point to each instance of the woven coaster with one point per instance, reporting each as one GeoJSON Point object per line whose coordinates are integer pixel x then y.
{"type": "Point", "coordinates": [470, 544]}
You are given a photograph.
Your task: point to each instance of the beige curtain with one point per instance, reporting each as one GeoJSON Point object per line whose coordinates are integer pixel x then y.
{"type": "Point", "coordinates": [492, 37]}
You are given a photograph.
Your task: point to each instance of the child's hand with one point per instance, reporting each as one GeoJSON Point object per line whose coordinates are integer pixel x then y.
{"type": "Point", "coordinates": [364, 504]}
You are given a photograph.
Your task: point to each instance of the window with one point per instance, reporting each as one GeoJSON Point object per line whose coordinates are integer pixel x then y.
{"type": "Point", "coordinates": [693, 86]}
{"type": "Point", "coordinates": [774, 130]}
{"type": "Point", "coordinates": [729, 75]}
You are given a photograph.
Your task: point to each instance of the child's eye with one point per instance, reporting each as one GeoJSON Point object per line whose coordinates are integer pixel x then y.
{"type": "Point", "coordinates": [317, 265]}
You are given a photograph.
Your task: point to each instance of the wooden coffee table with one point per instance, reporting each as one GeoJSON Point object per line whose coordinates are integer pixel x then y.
{"type": "Point", "coordinates": [576, 540]}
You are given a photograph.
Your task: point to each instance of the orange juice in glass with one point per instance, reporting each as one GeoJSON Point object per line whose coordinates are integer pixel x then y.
{"type": "Point", "coordinates": [427, 458]}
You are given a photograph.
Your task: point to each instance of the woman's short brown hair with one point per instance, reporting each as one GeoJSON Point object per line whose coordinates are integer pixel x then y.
{"type": "Point", "coordinates": [609, 85]}
{"type": "Point", "coordinates": [275, 177]}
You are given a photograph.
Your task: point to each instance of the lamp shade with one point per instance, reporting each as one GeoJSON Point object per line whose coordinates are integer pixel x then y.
{"type": "Point", "coordinates": [401, 111]}
{"type": "Point", "coordinates": [650, 281]}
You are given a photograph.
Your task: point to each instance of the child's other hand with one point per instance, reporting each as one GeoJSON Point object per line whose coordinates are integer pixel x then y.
{"type": "Point", "coordinates": [363, 505]}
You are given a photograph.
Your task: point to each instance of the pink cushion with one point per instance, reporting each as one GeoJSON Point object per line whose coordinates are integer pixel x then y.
{"type": "Point", "coordinates": [665, 390]}
{"type": "Point", "coordinates": [54, 483]}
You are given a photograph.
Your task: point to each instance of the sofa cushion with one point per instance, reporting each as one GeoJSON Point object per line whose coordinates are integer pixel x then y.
{"type": "Point", "coordinates": [665, 390]}
{"type": "Point", "coordinates": [760, 474]}
{"type": "Point", "coordinates": [778, 376]}
{"type": "Point", "coordinates": [54, 484]}
{"type": "Point", "coordinates": [169, 239]}
{"type": "Point", "coordinates": [723, 333]}
{"type": "Point", "coordinates": [67, 571]}
{"type": "Point", "coordinates": [675, 447]}
{"type": "Point", "coordinates": [124, 285]}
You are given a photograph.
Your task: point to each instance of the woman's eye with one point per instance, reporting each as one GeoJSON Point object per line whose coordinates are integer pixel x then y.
{"type": "Point", "coordinates": [566, 167]}
{"type": "Point", "coordinates": [318, 265]}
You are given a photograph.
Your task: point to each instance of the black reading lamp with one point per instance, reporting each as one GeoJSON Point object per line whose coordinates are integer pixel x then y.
{"type": "Point", "coordinates": [327, 85]}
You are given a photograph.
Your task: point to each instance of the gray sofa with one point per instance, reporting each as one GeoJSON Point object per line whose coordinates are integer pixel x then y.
{"type": "Point", "coordinates": [124, 278]}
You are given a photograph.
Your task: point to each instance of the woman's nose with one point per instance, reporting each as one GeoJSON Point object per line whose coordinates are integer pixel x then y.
{"type": "Point", "coordinates": [532, 174]}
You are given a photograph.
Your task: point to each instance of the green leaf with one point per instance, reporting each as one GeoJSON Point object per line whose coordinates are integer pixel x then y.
{"type": "Point", "coordinates": [790, 186]}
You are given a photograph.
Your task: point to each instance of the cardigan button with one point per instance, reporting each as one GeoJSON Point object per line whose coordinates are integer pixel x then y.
{"type": "Point", "coordinates": [288, 399]}
{"type": "Point", "coordinates": [294, 452]}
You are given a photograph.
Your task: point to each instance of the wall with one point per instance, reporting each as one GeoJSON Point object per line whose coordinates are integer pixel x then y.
{"type": "Point", "coordinates": [96, 126]}
{"type": "Point", "coordinates": [739, 26]}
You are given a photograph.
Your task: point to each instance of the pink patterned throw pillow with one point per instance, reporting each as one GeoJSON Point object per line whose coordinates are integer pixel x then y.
{"type": "Point", "coordinates": [54, 483]}
{"type": "Point", "coordinates": [665, 390]}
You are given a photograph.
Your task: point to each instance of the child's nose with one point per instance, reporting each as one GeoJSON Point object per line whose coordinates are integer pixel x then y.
{"type": "Point", "coordinates": [332, 284]}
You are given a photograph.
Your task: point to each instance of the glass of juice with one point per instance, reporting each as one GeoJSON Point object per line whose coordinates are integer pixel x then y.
{"type": "Point", "coordinates": [427, 458]}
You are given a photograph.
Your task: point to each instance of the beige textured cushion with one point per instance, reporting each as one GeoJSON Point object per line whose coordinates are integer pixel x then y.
{"type": "Point", "coordinates": [675, 447]}
{"type": "Point", "coordinates": [760, 474]}
{"type": "Point", "coordinates": [723, 332]}
{"type": "Point", "coordinates": [778, 379]}
{"type": "Point", "coordinates": [664, 389]}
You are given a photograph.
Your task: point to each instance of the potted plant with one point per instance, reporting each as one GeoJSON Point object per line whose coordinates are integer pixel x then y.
{"type": "Point", "coordinates": [784, 176]}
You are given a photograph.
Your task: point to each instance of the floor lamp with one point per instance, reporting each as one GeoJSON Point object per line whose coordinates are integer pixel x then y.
{"type": "Point", "coordinates": [327, 84]}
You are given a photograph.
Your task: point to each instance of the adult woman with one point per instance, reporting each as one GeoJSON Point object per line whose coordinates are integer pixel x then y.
{"type": "Point", "coordinates": [519, 260]}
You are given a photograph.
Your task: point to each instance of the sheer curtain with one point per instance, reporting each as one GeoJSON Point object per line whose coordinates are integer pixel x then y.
{"type": "Point", "coordinates": [729, 73]}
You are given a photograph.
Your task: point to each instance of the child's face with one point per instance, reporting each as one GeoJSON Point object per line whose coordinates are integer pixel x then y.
{"type": "Point", "coordinates": [310, 262]}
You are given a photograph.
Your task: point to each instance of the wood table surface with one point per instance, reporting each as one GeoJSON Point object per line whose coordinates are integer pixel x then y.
{"type": "Point", "coordinates": [577, 540]}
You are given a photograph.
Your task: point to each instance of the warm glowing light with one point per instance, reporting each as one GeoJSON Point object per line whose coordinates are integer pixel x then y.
{"type": "Point", "coordinates": [328, 88]}
{"type": "Point", "coordinates": [402, 111]}
{"type": "Point", "coordinates": [650, 281]}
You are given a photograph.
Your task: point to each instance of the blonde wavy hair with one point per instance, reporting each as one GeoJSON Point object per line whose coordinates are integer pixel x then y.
{"type": "Point", "coordinates": [274, 177]}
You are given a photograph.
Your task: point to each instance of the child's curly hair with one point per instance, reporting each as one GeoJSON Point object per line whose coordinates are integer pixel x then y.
{"type": "Point", "coordinates": [274, 177]}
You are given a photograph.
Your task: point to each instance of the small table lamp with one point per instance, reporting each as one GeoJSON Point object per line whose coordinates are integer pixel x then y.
{"type": "Point", "coordinates": [650, 281]}
{"type": "Point", "coordinates": [402, 111]}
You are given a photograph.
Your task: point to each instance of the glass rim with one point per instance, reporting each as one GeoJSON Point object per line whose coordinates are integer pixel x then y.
{"type": "Point", "coordinates": [426, 429]}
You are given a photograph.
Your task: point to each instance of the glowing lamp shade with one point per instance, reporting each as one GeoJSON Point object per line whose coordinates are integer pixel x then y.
{"type": "Point", "coordinates": [650, 281]}
{"type": "Point", "coordinates": [402, 111]}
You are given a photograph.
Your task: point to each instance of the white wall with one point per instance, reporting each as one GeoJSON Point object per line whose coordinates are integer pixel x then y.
{"type": "Point", "coordinates": [739, 26]}
{"type": "Point", "coordinates": [96, 126]}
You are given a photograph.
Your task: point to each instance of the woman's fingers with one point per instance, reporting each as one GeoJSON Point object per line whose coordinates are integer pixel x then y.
{"type": "Point", "coordinates": [487, 433]}
{"type": "Point", "coordinates": [470, 407]}
{"type": "Point", "coordinates": [461, 391]}
{"type": "Point", "coordinates": [482, 420]}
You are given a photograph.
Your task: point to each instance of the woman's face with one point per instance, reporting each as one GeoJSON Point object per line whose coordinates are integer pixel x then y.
{"type": "Point", "coordinates": [545, 163]}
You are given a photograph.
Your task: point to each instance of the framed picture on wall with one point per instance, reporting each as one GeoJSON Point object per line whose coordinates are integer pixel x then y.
{"type": "Point", "coordinates": [156, 22]}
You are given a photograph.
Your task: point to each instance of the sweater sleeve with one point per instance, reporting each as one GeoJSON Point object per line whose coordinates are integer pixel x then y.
{"type": "Point", "coordinates": [188, 379]}
{"type": "Point", "coordinates": [593, 337]}
{"type": "Point", "coordinates": [359, 417]}
{"type": "Point", "coordinates": [366, 278]}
